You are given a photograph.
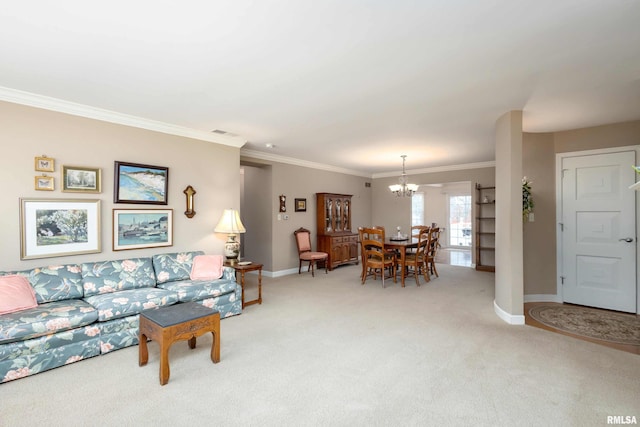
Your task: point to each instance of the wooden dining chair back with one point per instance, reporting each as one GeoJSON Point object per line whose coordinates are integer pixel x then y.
{"type": "Point", "coordinates": [432, 249]}
{"type": "Point", "coordinates": [375, 256]}
{"type": "Point", "coordinates": [303, 242]}
{"type": "Point", "coordinates": [415, 233]}
{"type": "Point", "coordinates": [416, 262]}
{"type": "Point", "coordinates": [417, 229]}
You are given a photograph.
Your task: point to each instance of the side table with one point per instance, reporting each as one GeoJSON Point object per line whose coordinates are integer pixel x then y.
{"type": "Point", "coordinates": [242, 269]}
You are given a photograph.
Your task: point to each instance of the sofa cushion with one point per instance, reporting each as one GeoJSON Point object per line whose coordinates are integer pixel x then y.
{"type": "Point", "coordinates": [194, 290]}
{"type": "Point", "coordinates": [174, 266]}
{"type": "Point", "coordinates": [114, 305]}
{"type": "Point", "coordinates": [206, 267]}
{"type": "Point", "coordinates": [54, 282]}
{"type": "Point", "coordinates": [16, 294]}
{"type": "Point", "coordinates": [119, 275]}
{"type": "Point", "coordinates": [46, 319]}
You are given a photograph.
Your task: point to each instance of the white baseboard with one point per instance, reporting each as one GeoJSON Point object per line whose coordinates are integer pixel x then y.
{"type": "Point", "coordinates": [280, 273]}
{"type": "Point", "coordinates": [508, 317]}
{"type": "Point", "coordinates": [543, 298]}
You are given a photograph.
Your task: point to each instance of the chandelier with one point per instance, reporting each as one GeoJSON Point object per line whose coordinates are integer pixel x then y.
{"type": "Point", "coordinates": [403, 189]}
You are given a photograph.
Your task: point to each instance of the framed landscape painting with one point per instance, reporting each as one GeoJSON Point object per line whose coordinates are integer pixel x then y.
{"type": "Point", "coordinates": [142, 228]}
{"type": "Point", "coordinates": [59, 227]}
{"type": "Point", "coordinates": [78, 179]}
{"type": "Point", "coordinates": [141, 184]}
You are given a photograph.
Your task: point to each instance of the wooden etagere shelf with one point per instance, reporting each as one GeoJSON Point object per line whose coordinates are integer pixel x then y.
{"type": "Point", "coordinates": [485, 228]}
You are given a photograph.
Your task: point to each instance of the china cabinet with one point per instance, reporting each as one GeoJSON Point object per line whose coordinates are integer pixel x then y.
{"type": "Point", "coordinates": [335, 236]}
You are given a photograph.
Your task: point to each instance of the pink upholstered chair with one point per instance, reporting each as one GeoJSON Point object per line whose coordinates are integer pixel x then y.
{"type": "Point", "coordinates": [303, 241]}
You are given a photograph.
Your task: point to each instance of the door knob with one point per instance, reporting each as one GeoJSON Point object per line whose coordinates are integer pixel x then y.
{"type": "Point", "coordinates": [626, 239]}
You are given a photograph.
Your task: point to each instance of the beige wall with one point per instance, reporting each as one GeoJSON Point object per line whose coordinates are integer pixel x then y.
{"type": "Point", "coordinates": [27, 132]}
{"type": "Point", "coordinates": [539, 245]}
{"type": "Point", "coordinates": [302, 183]}
{"type": "Point", "coordinates": [612, 135]}
{"type": "Point", "coordinates": [256, 207]}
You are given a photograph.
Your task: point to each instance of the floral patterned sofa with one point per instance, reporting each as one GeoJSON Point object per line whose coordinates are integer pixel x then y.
{"type": "Point", "coordinates": [84, 310]}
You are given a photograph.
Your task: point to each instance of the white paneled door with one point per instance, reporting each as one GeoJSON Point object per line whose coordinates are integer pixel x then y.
{"type": "Point", "coordinates": [598, 232]}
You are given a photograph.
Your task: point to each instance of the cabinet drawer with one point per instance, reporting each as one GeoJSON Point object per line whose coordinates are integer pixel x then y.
{"type": "Point", "coordinates": [335, 240]}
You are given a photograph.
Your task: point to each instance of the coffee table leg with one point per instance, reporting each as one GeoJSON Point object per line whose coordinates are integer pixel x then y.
{"type": "Point", "coordinates": [215, 346]}
{"type": "Point", "coordinates": [143, 352]}
{"type": "Point", "coordinates": [164, 362]}
{"type": "Point", "coordinates": [192, 343]}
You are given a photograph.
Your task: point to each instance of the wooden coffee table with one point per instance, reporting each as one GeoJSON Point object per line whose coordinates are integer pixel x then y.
{"type": "Point", "coordinates": [167, 325]}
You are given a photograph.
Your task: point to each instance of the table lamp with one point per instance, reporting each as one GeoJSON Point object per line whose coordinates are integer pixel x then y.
{"type": "Point", "coordinates": [231, 224]}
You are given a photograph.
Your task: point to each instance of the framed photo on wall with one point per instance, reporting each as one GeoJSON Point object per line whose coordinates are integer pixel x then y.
{"type": "Point", "coordinates": [44, 183]}
{"type": "Point", "coordinates": [140, 184]}
{"type": "Point", "coordinates": [142, 228]}
{"type": "Point", "coordinates": [59, 227]}
{"type": "Point", "coordinates": [78, 179]}
{"type": "Point", "coordinates": [44, 164]}
{"type": "Point", "coordinates": [301, 205]}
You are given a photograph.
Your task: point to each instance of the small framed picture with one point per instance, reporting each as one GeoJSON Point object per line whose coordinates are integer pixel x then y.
{"type": "Point", "coordinates": [77, 179]}
{"type": "Point", "coordinates": [141, 184]}
{"type": "Point", "coordinates": [283, 203]}
{"type": "Point", "coordinates": [44, 183]}
{"type": "Point", "coordinates": [301, 205]}
{"type": "Point", "coordinates": [45, 164]}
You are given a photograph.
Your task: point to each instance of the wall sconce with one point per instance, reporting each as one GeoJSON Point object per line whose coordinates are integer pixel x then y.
{"type": "Point", "coordinates": [189, 191]}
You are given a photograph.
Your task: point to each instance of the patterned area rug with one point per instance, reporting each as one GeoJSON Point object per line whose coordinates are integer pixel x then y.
{"type": "Point", "coordinates": [589, 322]}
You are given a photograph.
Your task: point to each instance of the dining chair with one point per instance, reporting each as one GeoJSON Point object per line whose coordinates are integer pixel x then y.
{"type": "Point", "coordinates": [416, 262]}
{"type": "Point", "coordinates": [303, 242]}
{"type": "Point", "coordinates": [415, 232]}
{"type": "Point", "coordinates": [432, 248]}
{"type": "Point", "coordinates": [375, 256]}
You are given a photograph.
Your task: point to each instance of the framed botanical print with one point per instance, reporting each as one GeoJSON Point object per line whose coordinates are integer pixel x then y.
{"type": "Point", "coordinates": [44, 183]}
{"type": "Point", "coordinates": [45, 164]}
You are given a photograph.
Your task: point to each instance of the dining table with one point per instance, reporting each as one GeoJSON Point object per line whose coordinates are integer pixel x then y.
{"type": "Point", "coordinates": [401, 245]}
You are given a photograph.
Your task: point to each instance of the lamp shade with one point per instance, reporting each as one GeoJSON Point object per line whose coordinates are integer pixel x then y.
{"type": "Point", "coordinates": [230, 222]}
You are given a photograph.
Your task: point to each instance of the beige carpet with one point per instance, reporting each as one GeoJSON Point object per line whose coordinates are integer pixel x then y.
{"type": "Point", "coordinates": [589, 322]}
{"type": "Point", "coordinates": [327, 351]}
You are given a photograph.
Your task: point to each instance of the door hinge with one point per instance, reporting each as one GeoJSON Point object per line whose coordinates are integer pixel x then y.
{"type": "Point", "coordinates": [562, 280]}
{"type": "Point", "coordinates": [561, 226]}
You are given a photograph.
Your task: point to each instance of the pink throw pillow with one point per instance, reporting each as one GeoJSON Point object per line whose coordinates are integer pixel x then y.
{"type": "Point", "coordinates": [16, 294]}
{"type": "Point", "coordinates": [206, 267]}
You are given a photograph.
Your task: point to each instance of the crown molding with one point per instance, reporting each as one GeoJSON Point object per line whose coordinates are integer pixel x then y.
{"type": "Point", "coordinates": [254, 154]}
{"type": "Point", "coordinates": [40, 101]}
{"type": "Point", "coordinates": [478, 165]}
